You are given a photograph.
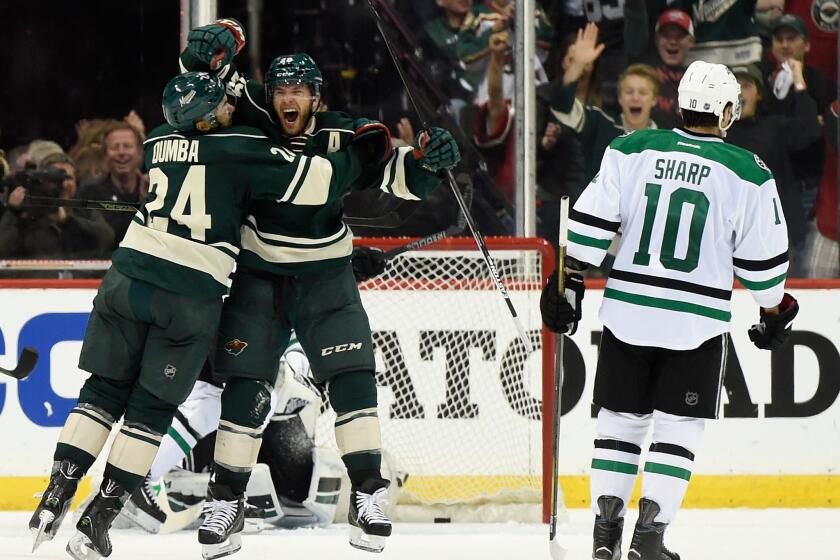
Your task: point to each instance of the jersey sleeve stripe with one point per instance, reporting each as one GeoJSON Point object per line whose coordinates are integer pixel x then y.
{"type": "Point", "coordinates": [589, 241]}
{"type": "Point", "coordinates": [594, 221]}
{"type": "Point", "coordinates": [274, 253]}
{"type": "Point", "coordinates": [766, 264]}
{"type": "Point", "coordinates": [671, 284]}
{"type": "Point", "coordinates": [302, 178]}
{"type": "Point", "coordinates": [762, 285]}
{"type": "Point", "coordinates": [289, 241]}
{"type": "Point", "coordinates": [668, 304]}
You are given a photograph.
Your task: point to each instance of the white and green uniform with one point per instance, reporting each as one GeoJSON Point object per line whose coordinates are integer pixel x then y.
{"type": "Point", "coordinates": [692, 211]}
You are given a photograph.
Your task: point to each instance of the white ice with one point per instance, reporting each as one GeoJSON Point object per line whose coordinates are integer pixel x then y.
{"type": "Point", "coordinates": [734, 534]}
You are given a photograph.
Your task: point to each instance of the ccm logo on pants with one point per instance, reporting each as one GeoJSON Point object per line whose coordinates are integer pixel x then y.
{"type": "Point", "coordinates": [341, 348]}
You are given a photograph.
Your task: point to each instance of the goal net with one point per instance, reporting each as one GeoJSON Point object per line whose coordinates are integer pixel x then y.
{"type": "Point", "coordinates": [460, 397]}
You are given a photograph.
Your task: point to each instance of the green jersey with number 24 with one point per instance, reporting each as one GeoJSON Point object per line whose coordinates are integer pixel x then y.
{"type": "Point", "coordinates": [186, 237]}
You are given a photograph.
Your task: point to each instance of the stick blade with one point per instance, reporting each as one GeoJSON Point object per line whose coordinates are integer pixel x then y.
{"type": "Point", "coordinates": [26, 363]}
{"type": "Point", "coordinates": [557, 552]}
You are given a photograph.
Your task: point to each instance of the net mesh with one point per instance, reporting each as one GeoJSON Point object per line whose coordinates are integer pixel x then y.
{"type": "Point", "coordinates": [460, 397]}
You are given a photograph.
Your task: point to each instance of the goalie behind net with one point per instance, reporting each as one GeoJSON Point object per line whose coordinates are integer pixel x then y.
{"type": "Point", "coordinates": [460, 400]}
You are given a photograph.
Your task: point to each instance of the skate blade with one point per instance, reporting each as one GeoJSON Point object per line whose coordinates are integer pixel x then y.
{"type": "Point", "coordinates": [213, 551]}
{"type": "Point", "coordinates": [80, 548]}
{"type": "Point", "coordinates": [40, 534]}
{"type": "Point", "coordinates": [370, 543]}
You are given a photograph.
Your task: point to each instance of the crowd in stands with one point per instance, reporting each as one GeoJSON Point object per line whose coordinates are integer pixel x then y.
{"type": "Point", "coordinates": [601, 69]}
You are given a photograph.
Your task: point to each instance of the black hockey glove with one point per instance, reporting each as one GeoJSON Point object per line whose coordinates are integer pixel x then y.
{"type": "Point", "coordinates": [436, 150]}
{"type": "Point", "coordinates": [562, 314]}
{"type": "Point", "coordinates": [773, 330]}
{"type": "Point", "coordinates": [372, 141]}
{"type": "Point", "coordinates": [367, 263]}
{"type": "Point", "coordinates": [216, 44]}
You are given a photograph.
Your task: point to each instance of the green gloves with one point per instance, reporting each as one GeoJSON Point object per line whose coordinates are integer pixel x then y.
{"type": "Point", "coordinates": [216, 44]}
{"type": "Point", "coordinates": [436, 150]}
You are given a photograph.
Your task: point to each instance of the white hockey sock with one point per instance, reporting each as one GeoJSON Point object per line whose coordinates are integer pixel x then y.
{"type": "Point", "coordinates": [615, 461]}
{"type": "Point", "coordinates": [670, 462]}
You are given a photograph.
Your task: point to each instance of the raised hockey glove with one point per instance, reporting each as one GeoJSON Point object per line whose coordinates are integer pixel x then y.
{"type": "Point", "coordinates": [372, 141]}
{"type": "Point", "coordinates": [774, 330]}
{"type": "Point", "coordinates": [368, 262]}
{"type": "Point", "coordinates": [216, 44]}
{"type": "Point", "coordinates": [561, 314]}
{"type": "Point", "coordinates": [436, 150]}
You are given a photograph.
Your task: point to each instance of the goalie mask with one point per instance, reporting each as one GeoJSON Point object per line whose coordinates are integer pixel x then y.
{"type": "Point", "coordinates": [192, 97]}
{"type": "Point", "coordinates": [709, 88]}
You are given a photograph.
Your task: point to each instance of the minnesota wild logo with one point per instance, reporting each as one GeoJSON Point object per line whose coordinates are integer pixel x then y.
{"type": "Point", "coordinates": [235, 347]}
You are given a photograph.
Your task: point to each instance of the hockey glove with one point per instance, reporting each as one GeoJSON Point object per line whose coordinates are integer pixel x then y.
{"type": "Point", "coordinates": [372, 141]}
{"type": "Point", "coordinates": [436, 150]}
{"type": "Point", "coordinates": [773, 330]}
{"type": "Point", "coordinates": [368, 262]}
{"type": "Point", "coordinates": [216, 44]}
{"type": "Point", "coordinates": [562, 314]}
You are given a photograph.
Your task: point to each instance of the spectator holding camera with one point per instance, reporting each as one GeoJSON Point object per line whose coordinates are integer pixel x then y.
{"type": "Point", "coordinates": [50, 233]}
{"type": "Point", "coordinates": [123, 181]}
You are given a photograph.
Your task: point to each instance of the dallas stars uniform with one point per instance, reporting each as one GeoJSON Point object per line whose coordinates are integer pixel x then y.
{"type": "Point", "coordinates": [693, 211]}
{"type": "Point", "coordinates": [174, 263]}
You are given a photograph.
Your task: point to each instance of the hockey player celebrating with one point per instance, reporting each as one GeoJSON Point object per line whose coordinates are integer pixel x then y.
{"type": "Point", "coordinates": [156, 313]}
{"type": "Point", "coordinates": [295, 405]}
{"type": "Point", "coordinates": [295, 274]}
{"type": "Point", "coordinates": [692, 211]}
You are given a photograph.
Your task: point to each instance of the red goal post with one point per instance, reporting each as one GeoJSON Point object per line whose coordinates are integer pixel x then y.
{"type": "Point", "coordinates": [524, 264]}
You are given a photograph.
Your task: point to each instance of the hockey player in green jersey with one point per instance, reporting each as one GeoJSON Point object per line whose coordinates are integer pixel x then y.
{"type": "Point", "coordinates": [693, 211]}
{"type": "Point", "coordinates": [295, 273]}
{"type": "Point", "coordinates": [156, 313]}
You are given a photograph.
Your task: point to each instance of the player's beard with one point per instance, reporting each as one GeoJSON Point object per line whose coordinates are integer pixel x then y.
{"type": "Point", "coordinates": [296, 127]}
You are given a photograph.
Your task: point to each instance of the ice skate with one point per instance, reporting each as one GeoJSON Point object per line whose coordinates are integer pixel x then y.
{"type": "Point", "coordinates": [55, 502]}
{"type": "Point", "coordinates": [224, 519]}
{"type": "Point", "coordinates": [606, 536]}
{"type": "Point", "coordinates": [143, 508]}
{"type": "Point", "coordinates": [647, 538]}
{"type": "Point", "coordinates": [91, 541]}
{"type": "Point", "coordinates": [369, 525]}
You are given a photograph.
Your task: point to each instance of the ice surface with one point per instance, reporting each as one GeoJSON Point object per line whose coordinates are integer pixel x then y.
{"type": "Point", "coordinates": [696, 535]}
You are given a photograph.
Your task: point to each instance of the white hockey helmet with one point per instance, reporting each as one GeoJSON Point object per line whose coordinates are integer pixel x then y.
{"type": "Point", "coordinates": [709, 88]}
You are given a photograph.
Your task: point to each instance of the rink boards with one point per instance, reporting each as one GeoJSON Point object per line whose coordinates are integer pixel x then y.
{"type": "Point", "coordinates": [775, 444]}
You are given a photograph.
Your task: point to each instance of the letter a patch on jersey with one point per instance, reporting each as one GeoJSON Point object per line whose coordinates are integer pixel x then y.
{"type": "Point", "coordinates": [235, 347]}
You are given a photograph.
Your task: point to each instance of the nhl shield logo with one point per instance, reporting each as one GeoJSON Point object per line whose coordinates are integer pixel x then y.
{"type": "Point", "coordinates": [235, 347]}
{"type": "Point", "coordinates": [691, 398]}
{"type": "Point", "coordinates": [169, 371]}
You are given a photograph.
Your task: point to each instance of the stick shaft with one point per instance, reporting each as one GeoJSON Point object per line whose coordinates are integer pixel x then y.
{"type": "Point", "coordinates": [479, 239]}
{"type": "Point", "coordinates": [563, 237]}
{"type": "Point", "coordinates": [107, 205]}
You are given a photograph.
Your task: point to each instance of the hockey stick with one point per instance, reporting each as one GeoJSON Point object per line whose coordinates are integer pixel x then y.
{"type": "Point", "coordinates": [82, 203]}
{"type": "Point", "coordinates": [26, 363]}
{"type": "Point", "coordinates": [389, 220]}
{"type": "Point", "coordinates": [557, 551]}
{"type": "Point", "coordinates": [479, 239]}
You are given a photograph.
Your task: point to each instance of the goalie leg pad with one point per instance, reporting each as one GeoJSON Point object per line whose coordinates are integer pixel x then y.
{"type": "Point", "coordinates": [670, 461]}
{"type": "Point", "coordinates": [615, 460]}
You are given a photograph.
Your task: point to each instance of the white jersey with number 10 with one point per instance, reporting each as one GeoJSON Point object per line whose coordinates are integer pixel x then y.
{"type": "Point", "coordinates": [693, 211]}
